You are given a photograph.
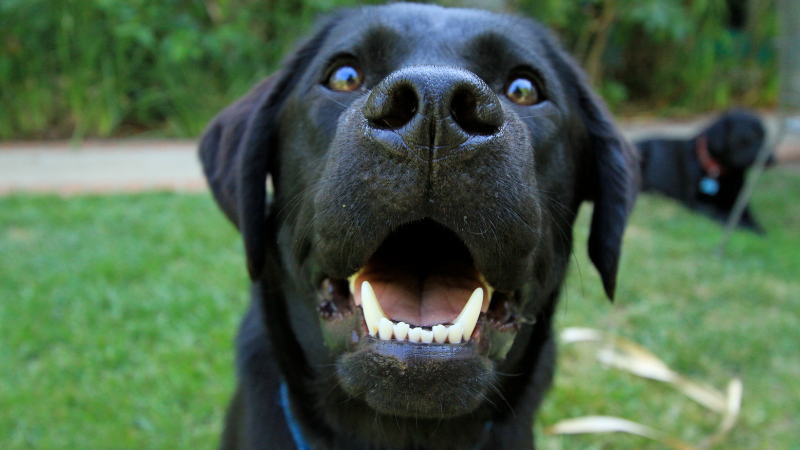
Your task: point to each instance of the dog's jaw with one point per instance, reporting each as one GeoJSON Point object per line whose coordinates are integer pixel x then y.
{"type": "Point", "coordinates": [427, 336]}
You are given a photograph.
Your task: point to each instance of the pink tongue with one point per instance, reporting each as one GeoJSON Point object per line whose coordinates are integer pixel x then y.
{"type": "Point", "coordinates": [420, 298]}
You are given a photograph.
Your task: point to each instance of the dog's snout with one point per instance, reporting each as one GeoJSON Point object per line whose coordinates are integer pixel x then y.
{"type": "Point", "coordinates": [434, 106]}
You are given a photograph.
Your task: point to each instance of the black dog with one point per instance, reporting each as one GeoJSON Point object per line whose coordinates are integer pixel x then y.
{"type": "Point", "coordinates": [434, 157]}
{"type": "Point", "coordinates": [706, 173]}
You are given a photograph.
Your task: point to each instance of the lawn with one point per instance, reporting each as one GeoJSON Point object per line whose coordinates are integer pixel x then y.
{"type": "Point", "coordinates": [117, 316]}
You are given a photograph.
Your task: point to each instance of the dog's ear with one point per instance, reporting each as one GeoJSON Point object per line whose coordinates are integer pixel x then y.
{"type": "Point", "coordinates": [238, 150]}
{"type": "Point", "coordinates": [219, 146]}
{"type": "Point", "coordinates": [613, 171]}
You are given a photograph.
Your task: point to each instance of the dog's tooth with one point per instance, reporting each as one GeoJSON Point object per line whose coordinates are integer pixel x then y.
{"type": "Point", "coordinates": [489, 288]}
{"type": "Point", "coordinates": [351, 280]}
{"type": "Point", "coordinates": [415, 334]}
{"type": "Point", "coordinates": [455, 332]}
{"type": "Point", "coordinates": [426, 336]}
{"type": "Point", "coordinates": [385, 328]}
{"type": "Point", "coordinates": [372, 309]}
{"type": "Point", "coordinates": [469, 315]}
{"type": "Point", "coordinates": [401, 331]}
{"type": "Point", "coordinates": [439, 334]}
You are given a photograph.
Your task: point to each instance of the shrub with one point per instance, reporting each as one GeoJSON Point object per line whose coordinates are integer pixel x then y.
{"type": "Point", "coordinates": [118, 67]}
{"type": "Point", "coordinates": [671, 55]}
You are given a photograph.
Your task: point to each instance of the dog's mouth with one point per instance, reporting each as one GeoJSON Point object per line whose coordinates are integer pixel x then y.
{"type": "Point", "coordinates": [417, 330]}
{"type": "Point", "coordinates": [420, 286]}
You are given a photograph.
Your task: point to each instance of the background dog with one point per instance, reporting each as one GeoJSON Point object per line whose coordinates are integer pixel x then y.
{"type": "Point", "coordinates": [706, 173]}
{"type": "Point", "coordinates": [428, 165]}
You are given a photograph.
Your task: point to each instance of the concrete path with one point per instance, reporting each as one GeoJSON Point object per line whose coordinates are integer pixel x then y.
{"type": "Point", "coordinates": [101, 166]}
{"type": "Point", "coordinates": [142, 165]}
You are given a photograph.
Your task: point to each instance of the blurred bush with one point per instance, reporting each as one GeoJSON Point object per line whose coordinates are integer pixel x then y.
{"type": "Point", "coordinates": [110, 67]}
{"type": "Point", "coordinates": [673, 56]}
{"type": "Point", "coordinates": [119, 67]}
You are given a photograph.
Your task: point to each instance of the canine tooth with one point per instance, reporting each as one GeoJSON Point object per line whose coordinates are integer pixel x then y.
{"type": "Point", "coordinates": [385, 328]}
{"type": "Point", "coordinates": [401, 331]}
{"type": "Point", "coordinates": [489, 288]}
{"type": "Point", "coordinates": [439, 334]}
{"type": "Point", "coordinates": [454, 333]}
{"type": "Point", "coordinates": [469, 315]}
{"type": "Point", "coordinates": [351, 280]}
{"type": "Point", "coordinates": [415, 334]}
{"type": "Point", "coordinates": [426, 336]}
{"type": "Point", "coordinates": [372, 309]}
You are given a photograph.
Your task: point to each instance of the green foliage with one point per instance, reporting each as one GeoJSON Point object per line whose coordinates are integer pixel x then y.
{"type": "Point", "coordinates": [118, 314]}
{"type": "Point", "coordinates": [670, 54]}
{"type": "Point", "coordinates": [118, 67]}
{"type": "Point", "coordinates": [104, 67]}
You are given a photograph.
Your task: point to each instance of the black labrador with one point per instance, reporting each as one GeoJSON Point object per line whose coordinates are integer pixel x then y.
{"type": "Point", "coordinates": [428, 165]}
{"type": "Point", "coordinates": [708, 172]}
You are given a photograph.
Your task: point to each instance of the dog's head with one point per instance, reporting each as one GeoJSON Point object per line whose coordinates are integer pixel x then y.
{"type": "Point", "coordinates": [735, 139]}
{"type": "Point", "coordinates": [421, 157]}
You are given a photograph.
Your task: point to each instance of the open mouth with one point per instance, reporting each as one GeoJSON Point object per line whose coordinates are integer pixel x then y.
{"type": "Point", "coordinates": [420, 286]}
{"type": "Point", "coordinates": [378, 323]}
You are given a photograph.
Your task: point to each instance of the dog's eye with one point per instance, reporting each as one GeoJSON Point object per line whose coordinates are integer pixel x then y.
{"type": "Point", "coordinates": [522, 91]}
{"type": "Point", "coordinates": [345, 78]}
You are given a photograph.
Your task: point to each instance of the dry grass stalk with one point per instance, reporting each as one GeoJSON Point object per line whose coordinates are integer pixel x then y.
{"type": "Point", "coordinates": [631, 357]}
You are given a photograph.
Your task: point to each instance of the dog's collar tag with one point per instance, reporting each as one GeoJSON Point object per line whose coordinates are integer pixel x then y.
{"type": "Point", "coordinates": [294, 427]}
{"type": "Point", "coordinates": [709, 186]}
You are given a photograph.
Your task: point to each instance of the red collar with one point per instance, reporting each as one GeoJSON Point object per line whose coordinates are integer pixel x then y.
{"type": "Point", "coordinates": [711, 166]}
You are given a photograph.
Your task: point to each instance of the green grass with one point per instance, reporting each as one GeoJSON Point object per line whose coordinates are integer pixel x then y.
{"type": "Point", "coordinates": [117, 316]}
{"type": "Point", "coordinates": [709, 318]}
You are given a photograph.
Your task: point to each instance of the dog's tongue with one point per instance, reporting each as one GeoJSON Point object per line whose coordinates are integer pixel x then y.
{"type": "Point", "coordinates": [420, 291]}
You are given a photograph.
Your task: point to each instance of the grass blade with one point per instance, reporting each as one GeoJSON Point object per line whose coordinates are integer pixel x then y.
{"type": "Point", "coordinates": [609, 424]}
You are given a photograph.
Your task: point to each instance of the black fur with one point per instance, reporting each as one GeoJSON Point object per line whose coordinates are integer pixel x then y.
{"type": "Point", "coordinates": [673, 168]}
{"type": "Point", "coordinates": [504, 180]}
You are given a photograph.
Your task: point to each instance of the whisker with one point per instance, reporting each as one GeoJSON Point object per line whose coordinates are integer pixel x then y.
{"type": "Point", "coordinates": [546, 114]}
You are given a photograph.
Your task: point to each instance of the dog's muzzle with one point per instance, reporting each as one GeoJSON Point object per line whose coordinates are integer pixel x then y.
{"type": "Point", "coordinates": [430, 159]}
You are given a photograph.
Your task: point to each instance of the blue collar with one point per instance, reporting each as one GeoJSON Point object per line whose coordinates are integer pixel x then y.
{"type": "Point", "coordinates": [294, 427]}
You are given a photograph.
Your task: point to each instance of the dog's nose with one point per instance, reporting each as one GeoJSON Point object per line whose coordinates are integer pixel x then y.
{"type": "Point", "coordinates": [437, 107]}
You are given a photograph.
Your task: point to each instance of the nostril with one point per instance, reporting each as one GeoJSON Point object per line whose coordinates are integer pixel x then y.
{"type": "Point", "coordinates": [402, 107]}
{"type": "Point", "coordinates": [465, 110]}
